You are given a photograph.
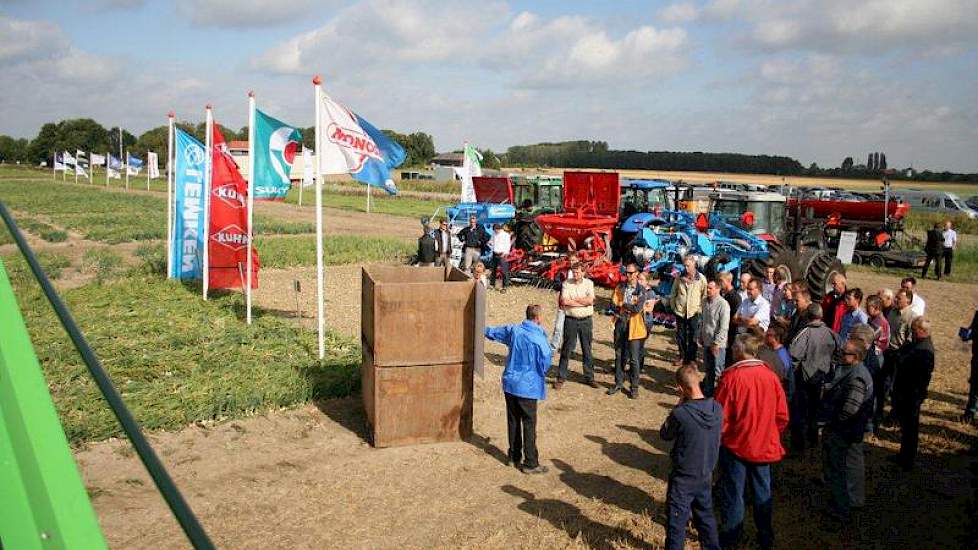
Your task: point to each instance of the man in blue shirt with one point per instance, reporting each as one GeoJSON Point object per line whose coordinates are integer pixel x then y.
{"type": "Point", "coordinates": [854, 314]}
{"type": "Point", "coordinates": [523, 385]}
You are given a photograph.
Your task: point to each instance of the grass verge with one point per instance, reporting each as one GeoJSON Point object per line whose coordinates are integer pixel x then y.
{"type": "Point", "coordinates": [380, 202]}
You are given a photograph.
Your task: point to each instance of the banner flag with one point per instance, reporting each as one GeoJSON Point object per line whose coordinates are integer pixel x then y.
{"type": "Point", "coordinates": [228, 236]}
{"type": "Point", "coordinates": [115, 163]}
{"type": "Point", "coordinates": [308, 177]}
{"type": "Point", "coordinates": [98, 160]}
{"type": "Point", "coordinates": [59, 163]}
{"type": "Point", "coordinates": [80, 170]}
{"type": "Point", "coordinates": [351, 145]}
{"type": "Point", "coordinates": [188, 192]}
{"type": "Point", "coordinates": [80, 163]}
{"type": "Point", "coordinates": [274, 150]}
{"type": "Point", "coordinates": [471, 167]}
{"type": "Point", "coordinates": [67, 159]}
{"type": "Point", "coordinates": [153, 160]}
{"type": "Point", "coordinates": [133, 165]}
{"type": "Point", "coordinates": [114, 174]}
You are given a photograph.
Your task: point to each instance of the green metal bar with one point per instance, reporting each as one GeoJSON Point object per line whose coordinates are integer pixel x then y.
{"type": "Point", "coordinates": [43, 503]}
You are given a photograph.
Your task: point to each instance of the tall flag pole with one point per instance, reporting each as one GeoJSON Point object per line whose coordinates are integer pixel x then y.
{"type": "Point", "coordinates": [251, 200]}
{"type": "Point", "coordinates": [77, 160]}
{"type": "Point", "coordinates": [320, 321]}
{"type": "Point", "coordinates": [208, 147]}
{"type": "Point", "coordinates": [147, 170]}
{"type": "Point", "coordinates": [169, 195]}
{"type": "Point", "coordinates": [108, 160]}
{"type": "Point", "coordinates": [54, 165]}
{"type": "Point", "coordinates": [368, 198]}
{"type": "Point", "coordinates": [127, 168]}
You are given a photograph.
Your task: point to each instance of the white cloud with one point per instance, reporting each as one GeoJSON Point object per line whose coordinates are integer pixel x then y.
{"type": "Point", "coordinates": [247, 13]}
{"type": "Point", "coordinates": [23, 40]}
{"type": "Point", "coordinates": [682, 12]}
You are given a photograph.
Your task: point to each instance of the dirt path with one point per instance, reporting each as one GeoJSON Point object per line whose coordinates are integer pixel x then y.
{"type": "Point", "coordinates": [305, 478]}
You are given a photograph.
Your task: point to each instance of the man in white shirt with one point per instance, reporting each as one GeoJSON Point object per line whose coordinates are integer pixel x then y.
{"type": "Point", "coordinates": [745, 279]}
{"type": "Point", "coordinates": [500, 244]}
{"type": "Point", "coordinates": [755, 311]}
{"type": "Point", "coordinates": [950, 243]}
{"type": "Point", "coordinates": [918, 305]}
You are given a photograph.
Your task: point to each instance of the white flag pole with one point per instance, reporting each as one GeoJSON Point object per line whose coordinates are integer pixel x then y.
{"type": "Point", "coordinates": [251, 199]}
{"type": "Point", "coordinates": [368, 197]}
{"type": "Point", "coordinates": [77, 161]}
{"type": "Point", "coordinates": [127, 169]}
{"type": "Point", "coordinates": [302, 183]}
{"type": "Point", "coordinates": [320, 321]}
{"type": "Point", "coordinates": [54, 165]}
{"type": "Point", "coordinates": [146, 165]}
{"type": "Point", "coordinates": [209, 139]}
{"type": "Point", "coordinates": [64, 173]}
{"type": "Point", "coordinates": [108, 159]}
{"type": "Point", "coordinates": [169, 196]}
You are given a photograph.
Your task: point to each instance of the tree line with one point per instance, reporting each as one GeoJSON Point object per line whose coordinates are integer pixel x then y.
{"type": "Point", "coordinates": [85, 134]}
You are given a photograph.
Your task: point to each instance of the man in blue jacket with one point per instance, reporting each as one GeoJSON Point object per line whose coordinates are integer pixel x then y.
{"type": "Point", "coordinates": [523, 384]}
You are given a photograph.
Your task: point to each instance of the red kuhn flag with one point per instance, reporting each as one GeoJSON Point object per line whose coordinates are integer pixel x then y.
{"type": "Point", "coordinates": [228, 235]}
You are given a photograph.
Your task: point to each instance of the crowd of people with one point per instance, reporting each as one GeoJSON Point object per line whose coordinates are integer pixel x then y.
{"type": "Point", "coordinates": [763, 373]}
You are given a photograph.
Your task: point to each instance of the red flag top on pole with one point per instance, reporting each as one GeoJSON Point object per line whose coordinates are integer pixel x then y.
{"type": "Point", "coordinates": [228, 235]}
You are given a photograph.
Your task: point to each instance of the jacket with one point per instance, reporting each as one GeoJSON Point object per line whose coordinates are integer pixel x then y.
{"type": "Point", "coordinates": [473, 238]}
{"type": "Point", "coordinates": [528, 359]}
{"type": "Point", "coordinates": [695, 426]}
{"type": "Point", "coordinates": [935, 242]}
{"type": "Point", "coordinates": [631, 312]}
{"type": "Point", "coordinates": [426, 249]}
{"type": "Point", "coordinates": [733, 299]}
{"type": "Point", "coordinates": [900, 320]}
{"type": "Point", "coordinates": [847, 404]}
{"type": "Point", "coordinates": [833, 309]}
{"type": "Point", "coordinates": [715, 322]}
{"type": "Point", "coordinates": [755, 411]}
{"type": "Point", "coordinates": [687, 297]}
{"type": "Point", "coordinates": [812, 351]}
{"type": "Point", "coordinates": [914, 367]}
{"type": "Point", "coordinates": [439, 249]}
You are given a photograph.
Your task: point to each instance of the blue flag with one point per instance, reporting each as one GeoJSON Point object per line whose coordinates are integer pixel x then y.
{"type": "Point", "coordinates": [135, 162]}
{"type": "Point", "coordinates": [114, 163]}
{"type": "Point", "coordinates": [378, 172]}
{"type": "Point", "coordinates": [188, 221]}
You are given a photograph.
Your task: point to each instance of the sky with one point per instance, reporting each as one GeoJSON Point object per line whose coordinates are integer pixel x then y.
{"type": "Point", "coordinates": [814, 80]}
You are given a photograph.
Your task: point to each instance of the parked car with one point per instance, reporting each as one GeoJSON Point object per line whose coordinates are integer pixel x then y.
{"type": "Point", "coordinates": [935, 201]}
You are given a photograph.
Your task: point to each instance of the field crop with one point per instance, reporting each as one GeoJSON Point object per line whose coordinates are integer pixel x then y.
{"type": "Point", "coordinates": [337, 250]}
{"type": "Point", "coordinates": [175, 358]}
{"type": "Point", "coordinates": [380, 202]}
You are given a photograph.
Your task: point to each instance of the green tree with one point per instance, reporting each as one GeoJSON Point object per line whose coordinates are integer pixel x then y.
{"type": "Point", "coordinates": [13, 149]}
{"type": "Point", "coordinates": [44, 145]}
{"type": "Point", "coordinates": [82, 134]}
{"type": "Point", "coordinates": [490, 160]}
{"type": "Point", "coordinates": [847, 164]}
{"type": "Point", "coordinates": [152, 140]}
{"type": "Point", "coordinates": [128, 141]}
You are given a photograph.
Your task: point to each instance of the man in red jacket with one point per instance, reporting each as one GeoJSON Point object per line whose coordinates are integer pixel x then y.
{"type": "Point", "coordinates": [833, 304]}
{"type": "Point", "coordinates": [755, 412]}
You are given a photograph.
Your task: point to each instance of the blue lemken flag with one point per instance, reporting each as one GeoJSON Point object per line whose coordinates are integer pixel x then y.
{"type": "Point", "coordinates": [188, 221]}
{"type": "Point", "coordinates": [375, 172]}
{"type": "Point", "coordinates": [135, 162]}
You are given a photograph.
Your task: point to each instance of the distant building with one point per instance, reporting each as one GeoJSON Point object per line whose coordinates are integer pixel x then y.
{"type": "Point", "coordinates": [447, 159]}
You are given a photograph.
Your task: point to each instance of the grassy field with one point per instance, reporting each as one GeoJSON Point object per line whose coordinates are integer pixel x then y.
{"type": "Point", "coordinates": [175, 358]}
{"type": "Point", "coordinates": [355, 198]}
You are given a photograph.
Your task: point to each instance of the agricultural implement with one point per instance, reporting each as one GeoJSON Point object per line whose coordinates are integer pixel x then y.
{"type": "Point", "coordinates": [642, 203]}
{"type": "Point", "coordinates": [494, 205]}
{"type": "Point", "coordinates": [534, 196]}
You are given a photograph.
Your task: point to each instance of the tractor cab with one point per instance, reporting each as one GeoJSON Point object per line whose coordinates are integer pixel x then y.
{"type": "Point", "coordinates": [760, 212]}
{"type": "Point", "coordinates": [642, 204]}
{"type": "Point", "coordinates": [535, 195]}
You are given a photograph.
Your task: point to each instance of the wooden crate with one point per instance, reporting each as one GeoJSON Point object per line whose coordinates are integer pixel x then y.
{"type": "Point", "coordinates": [409, 405]}
{"type": "Point", "coordinates": [425, 315]}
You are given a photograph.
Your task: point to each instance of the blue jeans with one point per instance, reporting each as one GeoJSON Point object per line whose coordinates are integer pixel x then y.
{"type": "Point", "coordinates": [971, 407]}
{"type": "Point", "coordinates": [683, 498]}
{"type": "Point", "coordinates": [733, 476]}
{"type": "Point", "coordinates": [713, 364]}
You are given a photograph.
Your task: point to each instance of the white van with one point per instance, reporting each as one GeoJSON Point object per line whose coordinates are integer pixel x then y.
{"type": "Point", "coordinates": [934, 201]}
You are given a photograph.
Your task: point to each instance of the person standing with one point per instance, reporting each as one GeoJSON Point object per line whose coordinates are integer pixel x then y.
{"type": "Point", "coordinates": [917, 304]}
{"type": "Point", "coordinates": [971, 407]}
{"type": "Point", "coordinates": [950, 237]}
{"type": "Point", "coordinates": [745, 279]}
{"type": "Point", "coordinates": [833, 304]}
{"type": "Point", "coordinates": [695, 426]}
{"type": "Point", "coordinates": [523, 385]}
{"type": "Point", "coordinates": [913, 371]}
{"type": "Point", "coordinates": [630, 332]}
{"type": "Point", "coordinates": [443, 244]}
{"type": "Point", "coordinates": [557, 339]}
{"type": "Point", "coordinates": [426, 248]}
{"type": "Point", "coordinates": [732, 297]}
{"type": "Point", "coordinates": [887, 298]}
{"type": "Point", "coordinates": [783, 306]}
{"type": "Point", "coordinates": [934, 249]}
{"type": "Point", "coordinates": [776, 355]}
{"type": "Point", "coordinates": [713, 335]}
{"type": "Point", "coordinates": [755, 311]}
{"type": "Point", "coordinates": [803, 299]}
{"type": "Point", "coordinates": [577, 301]}
{"type": "Point", "coordinates": [500, 243]}
{"type": "Point", "coordinates": [854, 313]}
{"type": "Point", "coordinates": [473, 238]}
{"type": "Point", "coordinates": [811, 356]}
{"type": "Point", "coordinates": [755, 412]}
{"type": "Point", "coordinates": [874, 357]}
{"type": "Point", "coordinates": [848, 406]}
{"type": "Point", "coordinates": [769, 284]}
{"type": "Point", "coordinates": [686, 300]}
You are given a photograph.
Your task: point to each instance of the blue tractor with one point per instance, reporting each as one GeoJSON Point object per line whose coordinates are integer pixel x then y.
{"type": "Point", "coordinates": [642, 202]}
{"type": "Point", "coordinates": [494, 196]}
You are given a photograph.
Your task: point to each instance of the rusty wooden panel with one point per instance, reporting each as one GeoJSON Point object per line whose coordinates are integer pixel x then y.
{"type": "Point", "coordinates": [456, 274]}
{"type": "Point", "coordinates": [366, 308]}
{"type": "Point", "coordinates": [421, 404]}
{"type": "Point", "coordinates": [368, 383]}
{"type": "Point", "coordinates": [423, 323]}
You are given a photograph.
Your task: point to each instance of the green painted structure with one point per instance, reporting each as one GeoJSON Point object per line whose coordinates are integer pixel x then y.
{"type": "Point", "coordinates": [43, 503]}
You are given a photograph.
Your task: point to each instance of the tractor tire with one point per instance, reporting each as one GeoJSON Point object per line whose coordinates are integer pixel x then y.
{"type": "Point", "coordinates": [781, 258]}
{"type": "Point", "coordinates": [710, 270]}
{"type": "Point", "coordinates": [819, 271]}
{"type": "Point", "coordinates": [528, 235]}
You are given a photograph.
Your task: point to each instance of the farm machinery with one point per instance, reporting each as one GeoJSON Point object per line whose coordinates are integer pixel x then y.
{"type": "Point", "coordinates": [534, 196]}
{"type": "Point", "coordinates": [494, 205]}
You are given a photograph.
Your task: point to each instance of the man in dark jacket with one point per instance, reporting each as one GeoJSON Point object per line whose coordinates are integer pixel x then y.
{"type": "Point", "coordinates": [527, 363]}
{"type": "Point", "coordinates": [971, 407]}
{"type": "Point", "coordinates": [811, 356]}
{"type": "Point", "coordinates": [934, 248]}
{"type": "Point", "coordinates": [733, 298]}
{"type": "Point", "coordinates": [443, 243]}
{"type": "Point", "coordinates": [913, 371]}
{"type": "Point", "coordinates": [426, 248]}
{"type": "Point", "coordinates": [695, 426]}
{"type": "Point", "coordinates": [846, 408]}
{"type": "Point", "coordinates": [473, 238]}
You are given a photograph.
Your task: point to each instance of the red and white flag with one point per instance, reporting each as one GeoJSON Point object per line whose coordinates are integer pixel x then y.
{"type": "Point", "coordinates": [228, 235]}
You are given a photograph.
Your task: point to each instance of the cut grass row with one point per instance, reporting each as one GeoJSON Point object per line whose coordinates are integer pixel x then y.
{"type": "Point", "coordinates": [175, 358]}
{"type": "Point", "coordinates": [347, 198]}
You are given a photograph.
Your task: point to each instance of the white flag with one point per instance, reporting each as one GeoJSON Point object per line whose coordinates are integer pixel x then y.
{"type": "Point", "coordinates": [114, 174]}
{"type": "Point", "coordinates": [80, 155]}
{"type": "Point", "coordinates": [98, 160]}
{"type": "Point", "coordinates": [59, 165]}
{"type": "Point", "coordinates": [132, 170]}
{"type": "Point", "coordinates": [67, 159]}
{"type": "Point", "coordinates": [471, 167]}
{"type": "Point", "coordinates": [154, 164]}
{"type": "Point", "coordinates": [80, 170]}
{"type": "Point", "coordinates": [307, 168]}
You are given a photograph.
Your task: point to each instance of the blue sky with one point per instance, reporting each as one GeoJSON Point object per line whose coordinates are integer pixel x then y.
{"type": "Point", "coordinates": [815, 80]}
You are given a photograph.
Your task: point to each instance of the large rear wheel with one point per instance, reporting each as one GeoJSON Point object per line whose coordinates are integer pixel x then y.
{"type": "Point", "coordinates": [781, 259]}
{"type": "Point", "coordinates": [822, 266]}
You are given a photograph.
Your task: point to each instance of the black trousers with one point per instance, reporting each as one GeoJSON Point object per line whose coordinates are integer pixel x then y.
{"type": "Point", "coordinates": [804, 407]}
{"type": "Point", "coordinates": [948, 256]}
{"type": "Point", "coordinates": [882, 384]}
{"type": "Point", "coordinates": [909, 412]}
{"type": "Point", "coordinates": [686, 331]}
{"type": "Point", "coordinates": [630, 351]}
{"type": "Point", "coordinates": [499, 262]}
{"type": "Point", "coordinates": [575, 329]}
{"type": "Point", "coordinates": [521, 423]}
{"type": "Point", "coordinates": [937, 259]}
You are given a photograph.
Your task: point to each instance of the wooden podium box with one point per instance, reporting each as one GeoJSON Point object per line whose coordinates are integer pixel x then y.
{"type": "Point", "coordinates": [422, 339]}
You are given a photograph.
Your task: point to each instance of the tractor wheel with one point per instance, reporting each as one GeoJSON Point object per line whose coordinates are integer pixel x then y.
{"type": "Point", "coordinates": [528, 235]}
{"type": "Point", "coordinates": [877, 261]}
{"type": "Point", "coordinates": [819, 272]}
{"type": "Point", "coordinates": [781, 258]}
{"type": "Point", "coordinates": [710, 270]}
